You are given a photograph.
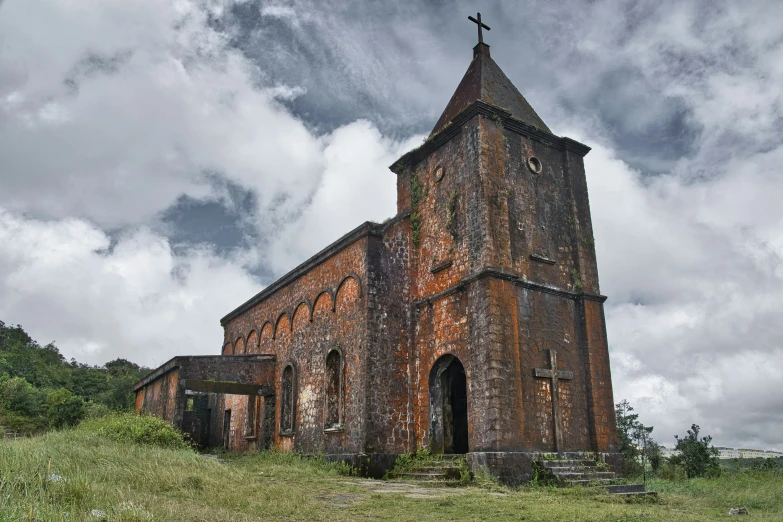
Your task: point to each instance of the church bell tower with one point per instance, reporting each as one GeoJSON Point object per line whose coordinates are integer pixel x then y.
{"type": "Point", "coordinates": [504, 284]}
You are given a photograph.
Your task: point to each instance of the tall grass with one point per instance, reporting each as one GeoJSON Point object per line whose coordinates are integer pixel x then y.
{"type": "Point", "coordinates": [755, 490]}
{"type": "Point", "coordinates": [138, 429]}
{"type": "Point", "coordinates": [69, 475]}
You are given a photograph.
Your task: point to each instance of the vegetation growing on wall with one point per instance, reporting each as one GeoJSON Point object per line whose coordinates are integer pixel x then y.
{"type": "Point", "coordinates": [418, 193]}
{"type": "Point", "coordinates": [577, 279]}
{"type": "Point", "coordinates": [451, 224]}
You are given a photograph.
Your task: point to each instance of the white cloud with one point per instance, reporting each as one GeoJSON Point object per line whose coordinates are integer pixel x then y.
{"type": "Point", "coordinates": [106, 129]}
{"type": "Point", "coordinates": [693, 292]}
{"type": "Point", "coordinates": [356, 186]}
{"type": "Point", "coordinates": [64, 281]}
{"type": "Point", "coordinates": [133, 102]}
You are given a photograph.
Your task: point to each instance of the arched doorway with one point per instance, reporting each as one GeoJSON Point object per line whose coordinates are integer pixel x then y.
{"type": "Point", "coordinates": [448, 406]}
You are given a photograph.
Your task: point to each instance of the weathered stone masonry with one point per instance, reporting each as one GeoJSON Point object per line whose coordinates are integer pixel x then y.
{"type": "Point", "coordinates": [441, 326]}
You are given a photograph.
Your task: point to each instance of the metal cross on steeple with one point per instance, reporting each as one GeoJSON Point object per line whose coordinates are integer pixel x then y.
{"type": "Point", "coordinates": [480, 25]}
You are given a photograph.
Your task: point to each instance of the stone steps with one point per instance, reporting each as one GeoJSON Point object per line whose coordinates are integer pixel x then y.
{"type": "Point", "coordinates": [588, 473]}
{"type": "Point", "coordinates": [444, 470]}
{"type": "Point", "coordinates": [625, 488]}
{"type": "Point", "coordinates": [575, 469]}
{"type": "Point", "coordinates": [591, 482]}
{"type": "Point", "coordinates": [568, 463]}
{"type": "Point", "coordinates": [587, 476]}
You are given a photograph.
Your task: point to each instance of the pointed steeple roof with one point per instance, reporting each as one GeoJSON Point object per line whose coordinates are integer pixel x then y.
{"type": "Point", "coordinates": [485, 81]}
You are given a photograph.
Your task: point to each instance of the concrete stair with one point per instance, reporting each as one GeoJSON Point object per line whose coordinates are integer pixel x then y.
{"type": "Point", "coordinates": [585, 472]}
{"type": "Point", "coordinates": [436, 470]}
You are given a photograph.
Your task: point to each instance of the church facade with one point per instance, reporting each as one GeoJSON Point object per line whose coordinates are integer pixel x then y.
{"type": "Point", "coordinates": [470, 323]}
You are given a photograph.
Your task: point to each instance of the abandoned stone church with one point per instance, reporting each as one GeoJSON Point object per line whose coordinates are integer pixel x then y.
{"type": "Point", "coordinates": [470, 323]}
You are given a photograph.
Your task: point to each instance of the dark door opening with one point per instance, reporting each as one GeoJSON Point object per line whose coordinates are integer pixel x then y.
{"type": "Point", "coordinates": [195, 419]}
{"type": "Point", "coordinates": [206, 435]}
{"type": "Point", "coordinates": [455, 409]}
{"type": "Point", "coordinates": [448, 406]}
{"type": "Point", "coordinates": [268, 423]}
{"type": "Point", "coordinates": [227, 430]}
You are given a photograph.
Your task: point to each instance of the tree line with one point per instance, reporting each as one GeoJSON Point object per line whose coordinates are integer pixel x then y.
{"type": "Point", "coordinates": [41, 390]}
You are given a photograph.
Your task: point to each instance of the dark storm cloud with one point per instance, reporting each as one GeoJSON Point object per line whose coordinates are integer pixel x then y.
{"type": "Point", "coordinates": [397, 63]}
{"type": "Point", "coordinates": [225, 222]}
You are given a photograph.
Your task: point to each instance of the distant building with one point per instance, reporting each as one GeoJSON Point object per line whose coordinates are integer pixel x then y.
{"type": "Point", "coordinates": [759, 454]}
{"type": "Point", "coordinates": [668, 452]}
{"type": "Point", "coordinates": [728, 453]}
{"type": "Point", "coordinates": [731, 453]}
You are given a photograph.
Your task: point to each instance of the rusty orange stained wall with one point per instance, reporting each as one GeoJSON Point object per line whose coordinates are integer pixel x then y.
{"type": "Point", "coordinates": [300, 323]}
{"type": "Point", "coordinates": [526, 226]}
{"type": "Point", "coordinates": [159, 397]}
{"type": "Point", "coordinates": [504, 271]}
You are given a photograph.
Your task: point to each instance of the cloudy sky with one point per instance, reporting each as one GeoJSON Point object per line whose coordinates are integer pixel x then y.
{"type": "Point", "coordinates": [161, 161]}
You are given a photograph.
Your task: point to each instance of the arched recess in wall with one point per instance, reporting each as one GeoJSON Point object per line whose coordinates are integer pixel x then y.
{"type": "Point", "coordinates": [251, 345]}
{"type": "Point", "coordinates": [266, 337]}
{"type": "Point", "coordinates": [227, 349]}
{"type": "Point", "coordinates": [239, 346]}
{"type": "Point", "coordinates": [334, 386]}
{"type": "Point", "coordinates": [349, 289]}
{"type": "Point", "coordinates": [323, 303]}
{"type": "Point", "coordinates": [288, 400]}
{"type": "Point", "coordinates": [302, 314]}
{"type": "Point", "coordinates": [279, 322]}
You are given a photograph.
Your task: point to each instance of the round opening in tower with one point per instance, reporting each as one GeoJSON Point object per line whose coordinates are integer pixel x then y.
{"type": "Point", "coordinates": [439, 173]}
{"type": "Point", "coordinates": [534, 164]}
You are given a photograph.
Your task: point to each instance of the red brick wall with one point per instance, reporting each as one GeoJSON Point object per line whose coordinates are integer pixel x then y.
{"type": "Point", "coordinates": [469, 288]}
{"type": "Point", "coordinates": [502, 327]}
{"type": "Point", "coordinates": [159, 397]}
{"type": "Point", "coordinates": [300, 323]}
{"type": "Point", "coordinates": [600, 396]}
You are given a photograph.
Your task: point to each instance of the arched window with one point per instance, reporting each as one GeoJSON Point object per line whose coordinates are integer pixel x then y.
{"type": "Point", "coordinates": [334, 391]}
{"type": "Point", "coordinates": [288, 400]}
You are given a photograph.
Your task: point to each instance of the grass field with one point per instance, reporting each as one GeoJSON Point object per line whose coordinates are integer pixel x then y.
{"type": "Point", "coordinates": [66, 475]}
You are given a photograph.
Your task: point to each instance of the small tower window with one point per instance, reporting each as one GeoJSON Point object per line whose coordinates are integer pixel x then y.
{"type": "Point", "coordinates": [534, 164]}
{"type": "Point", "coordinates": [334, 390]}
{"type": "Point", "coordinates": [439, 173]}
{"type": "Point", "coordinates": [288, 400]}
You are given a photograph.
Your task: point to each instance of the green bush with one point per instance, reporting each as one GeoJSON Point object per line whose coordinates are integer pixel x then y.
{"type": "Point", "coordinates": [95, 410]}
{"type": "Point", "coordinates": [64, 408]}
{"type": "Point", "coordinates": [137, 429]}
{"type": "Point", "coordinates": [697, 456]}
{"type": "Point", "coordinates": [20, 397]}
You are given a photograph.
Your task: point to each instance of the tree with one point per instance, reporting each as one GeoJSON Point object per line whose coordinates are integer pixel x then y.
{"type": "Point", "coordinates": [633, 437]}
{"type": "Point", "coordinates": [39, 389]}
{"type": "Point", "coordinates": [20, 397]}
{"type": "Point", "coordinates": [21, 405]}
{"type": "Point", "coordinates": [121, 367]}
{"type": "Point", "coordinates": [64, 408]}
{"type": "Point", "coordinates": [767, 464]}
{"type": "Point", "coordinates": [697, 456]}
{"type": "Point", "coordinates": [654, 455]}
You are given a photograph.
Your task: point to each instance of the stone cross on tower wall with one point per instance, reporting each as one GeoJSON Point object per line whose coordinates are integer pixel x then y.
{"type": "Point", "coordinates": [555, 375]}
